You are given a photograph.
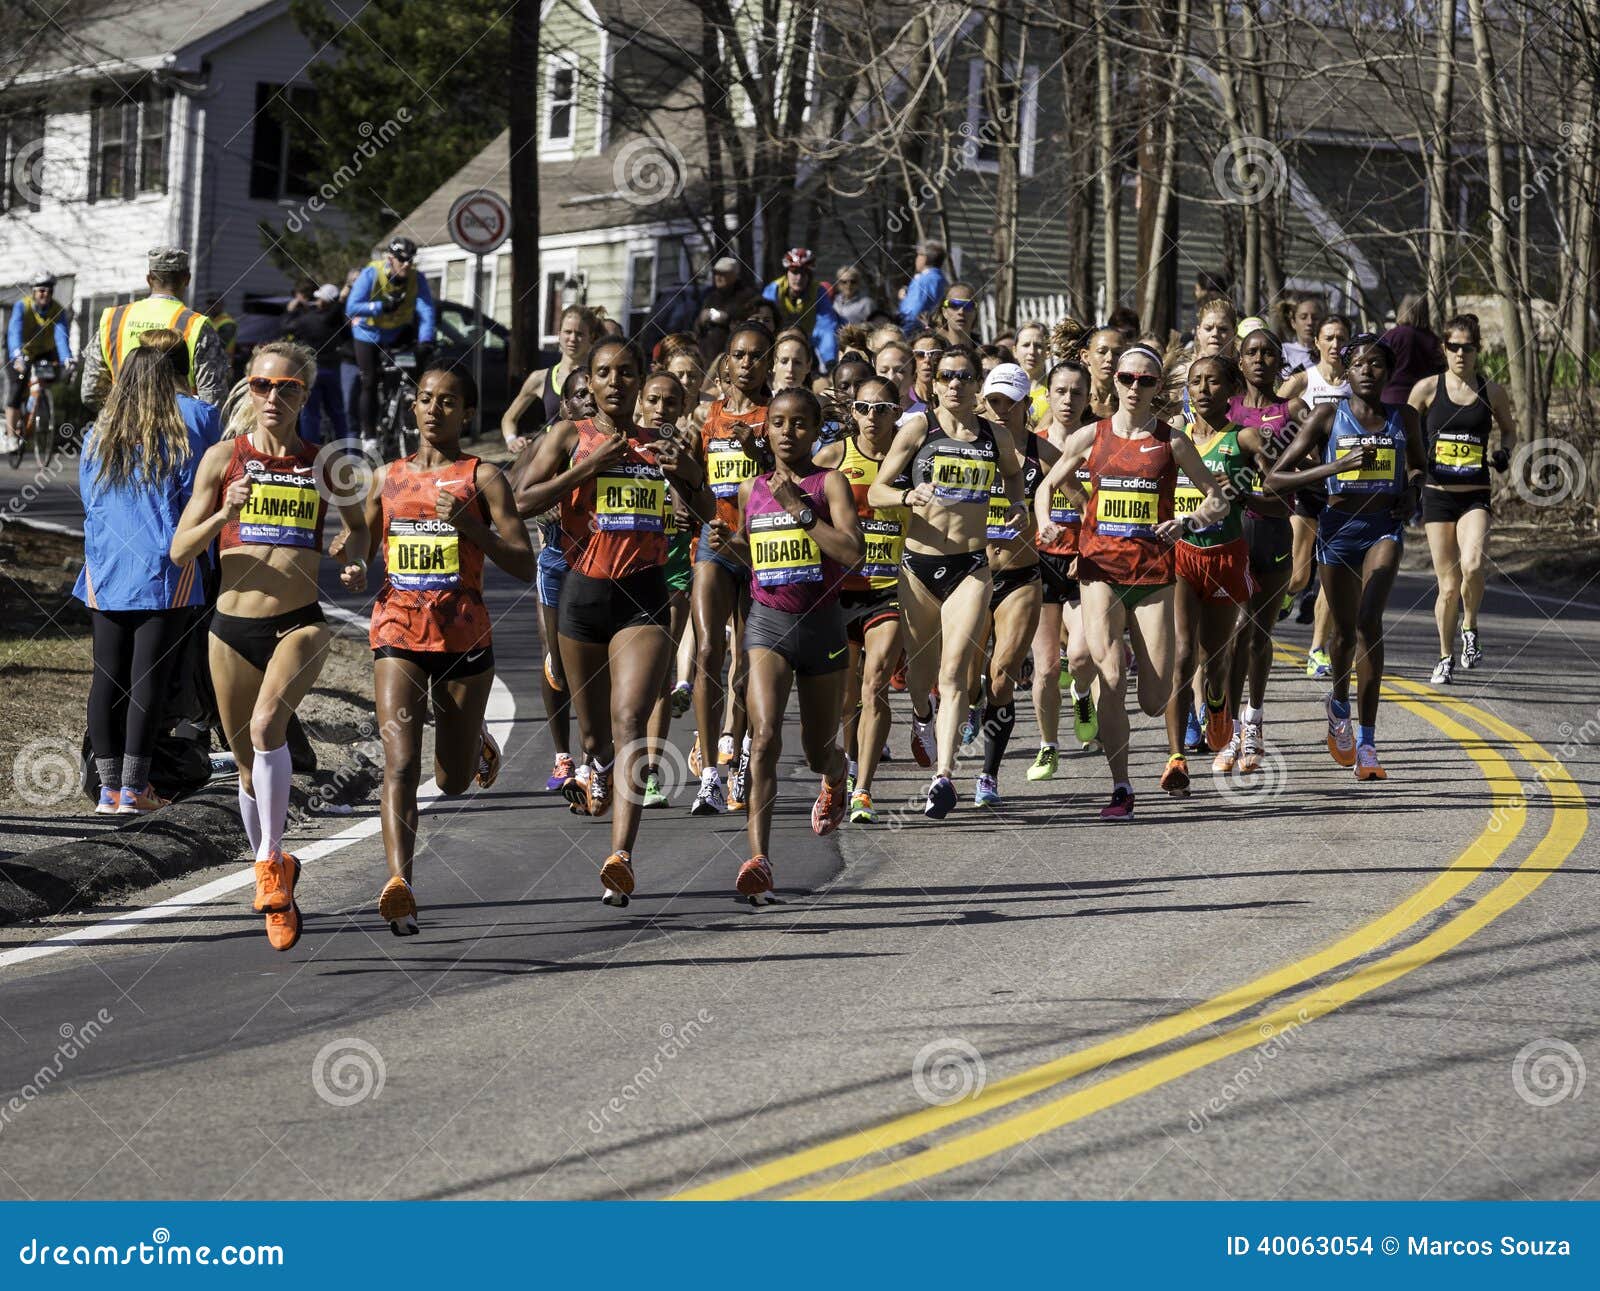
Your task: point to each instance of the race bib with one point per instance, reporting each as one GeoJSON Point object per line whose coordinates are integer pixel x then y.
{"type": "Point", "coordinates": [1377, 478]}
{"type": "Point", "coordinates": [728, 466]}
{"type": "Point", "coordinates": [1126, 508]}
{"type": "Point", "coordinates": [885, 541]}
{"type": "Point", "coordinates": [631, 498]}
{"type": "Point", "coordinates": [1186, 500]}
{"type": "Point", "coordinates": [958, 479]}
{"type": "Point", "coordinates": [1062, 511]}
{"type": "Point", "coordinates": [423, 555]}
{"type": "Point", "coordinates": [281, 510]}
{"type": "Point", "coordinates": [996, 529]}
{"type": "Point", "coordinates": [1457, 456]}
{"type": "Point", "coordinates": [781, 552]}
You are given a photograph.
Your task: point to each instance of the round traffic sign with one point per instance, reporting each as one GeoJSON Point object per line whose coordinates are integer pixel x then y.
{"type": "Point", "coordinates": [480, 221]}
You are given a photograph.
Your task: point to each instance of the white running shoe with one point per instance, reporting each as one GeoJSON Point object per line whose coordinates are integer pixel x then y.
{"type": "Point", "coordinates": [1443, 671]}
{"type": "Point", "coordinates": [709, 801]}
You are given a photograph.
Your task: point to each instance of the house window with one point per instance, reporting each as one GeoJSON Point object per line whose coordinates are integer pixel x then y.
{"type": "Point", "coordinates": [88, 317]}
{"type": "Point", "coordinates": [281, 156]}
{"type": "Point", "coordinates": [500, 310]}
{"type": "Point", "coordinates": [22, 156]}
{"type": "Point", "coordinates": [641, 290]}
{"type": "Point", "coordinates": [455, 280]}
{"type": "Point", "coordinates": [128, 143]}
{"type": "Point", "coordinates": [562, 96]}
{"type": "Point", "coordinates": [983, 147]}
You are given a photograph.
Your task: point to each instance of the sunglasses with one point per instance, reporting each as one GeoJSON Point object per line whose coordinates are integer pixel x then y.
{"type": "Point", "coordinates": [868, 409]}
{"type": "Point", "coordinates": [960, 304]}
{"type": "Point", "coordinates": [957, 374]}
{"type": "Point", "coordinates": [927, 356]}
{"type": "Point", "coordinates": [1460, 347]}
{"type": "Point", "coordinates": [1141, 379]}
{"type": "Point", "coordinates": [265, 386]}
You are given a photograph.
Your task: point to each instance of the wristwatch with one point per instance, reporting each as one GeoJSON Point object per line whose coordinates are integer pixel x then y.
{"type": "Point", "coordinates": [807, 518]}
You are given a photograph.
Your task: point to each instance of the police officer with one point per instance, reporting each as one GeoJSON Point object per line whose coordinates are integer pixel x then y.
{"type": "Point", "coordinates": [388, 299]}
{"type": "Point", "coordinates": [120, 325]}
{"type": "Point", "coordinates": [38, 330]}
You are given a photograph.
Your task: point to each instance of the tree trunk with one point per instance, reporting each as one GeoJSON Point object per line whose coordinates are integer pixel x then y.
{"type": "Point", "coordinates": [1079, 93]}
{"type": "Point", "coordinates": [1500, 252]}
{"type": "Point", "coordinates": [1254, 83]}
{"type": "Point", "coordinates": [1438, 161]}
{"type": "Point", "coordinates": [1110, 175]}
{"type": "Point", "coordinates": [1158, 308]}
{"type": "Point", "coordinates": [1003, 104]}
{"type": "Point", "coordinates": [1233, 122]}
{"type": "Point", "coordinates": [522, 121]}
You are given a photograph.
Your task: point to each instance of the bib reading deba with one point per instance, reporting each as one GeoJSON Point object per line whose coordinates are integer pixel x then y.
{"type": "Point", "coordinates": [423, 555]}
{"type": "Point", "coordinates": [781, 552]}
{"type": "Point", "coordinates": [1127, 506]}
{"type": "Point", "coordinates": [281, 510]}
{"type": "Point", "coordinates": [631, 496]}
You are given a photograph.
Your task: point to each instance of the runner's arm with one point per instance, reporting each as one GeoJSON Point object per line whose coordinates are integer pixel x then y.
{"type": "Point", "coordinates": [1287, 476]}
{"type": "Point", "coordinates": [532, 391]}
{"type": "Point", "coordinates": [883, 492]}
{"type": "Point", "coordinates": [550, 473]}
{"type": "Point", "coordinates": [1216, 503]}
{"type": "Point", "coordinates": [839, 538]}
{"type": "Point", "coordinates": [1500, 406]}
{"type": "Point", "coordinates": [374, 512]}
{"type": "Point", "coordinates": [506, 543]}
{"type": "Point", "coordinates": [205, 513]}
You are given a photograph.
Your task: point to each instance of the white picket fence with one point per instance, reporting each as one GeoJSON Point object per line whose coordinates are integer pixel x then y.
{"type": "Point", "coordinates": [1043, 309]}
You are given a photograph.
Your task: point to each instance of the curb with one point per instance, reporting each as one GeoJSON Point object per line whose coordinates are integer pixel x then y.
{"type": "Point", "coordinates": [201, 831]}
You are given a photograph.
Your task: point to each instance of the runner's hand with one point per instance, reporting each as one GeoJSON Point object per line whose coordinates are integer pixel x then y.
{"type": "Point", "coordinates": [790, 498]}
{"type": "Point", "coordinates": [516, 443]}
{"type": "Point", "coordinates": [1501, 460]}
{"type": "Point", "coordinates": [721, 536]}
{"type": "Point", "coordinates": [234, 497]}
{"type": "Point", "coordinates": [449, 506]}
{"type": "Point", "coordinates": [1170, 530]}
{"type": "Point", "coordinates": [921, 495]}
{"type": "Point", "coordinates": [1358, 459]}
{"type": "Point", "coordinates": [610, 452]}
{"type": "Point", "coordinates": [1049, 533]}
{"type": "Point", "coordinates": [354, 576]}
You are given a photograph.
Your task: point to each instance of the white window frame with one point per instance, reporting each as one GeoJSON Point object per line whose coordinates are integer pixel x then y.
{"type": "Point", "coordinates": [635, 252]}
{"type": "Point", "coordinates": [563, 145]}
{"type": "Point", "coordinates": [1027, 137]}
{"type": "Point", "coordinates": [550, 264]}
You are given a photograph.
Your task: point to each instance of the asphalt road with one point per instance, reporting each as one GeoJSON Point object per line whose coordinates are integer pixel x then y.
{"type": "Point", "coordinates": [1316, 989]}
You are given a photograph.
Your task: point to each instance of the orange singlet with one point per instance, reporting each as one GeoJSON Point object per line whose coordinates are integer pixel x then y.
{"type": "Point", "coordinates": [1133, 484]}
{"type": "Point", "coordinates": [617, 523]}
{"type": "Point", "coordinates": [727, 464]}
{"type": "Point", "coordinates": [432, 593]}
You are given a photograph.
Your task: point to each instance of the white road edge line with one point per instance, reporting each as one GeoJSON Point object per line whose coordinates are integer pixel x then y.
{"type": "Point", "coordinates": [500, 714]}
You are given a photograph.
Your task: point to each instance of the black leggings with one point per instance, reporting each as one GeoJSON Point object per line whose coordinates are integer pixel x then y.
{"type": "Point", "coordinates": [367, 398]}
{"type": "Point", "coordinates": [134, 651]}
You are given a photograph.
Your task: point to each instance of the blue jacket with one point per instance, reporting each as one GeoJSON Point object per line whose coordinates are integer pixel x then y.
{"type": "Point", "coordinates": [923, 296]}
{"type": "Point", "coordinates": [128, 529]}
{"type": "Point", "coordinates": [14, 334]}
{"type": "Point", "coordinates": [360, 306]}
{"type": "Point", "coordinates": [824, 324]}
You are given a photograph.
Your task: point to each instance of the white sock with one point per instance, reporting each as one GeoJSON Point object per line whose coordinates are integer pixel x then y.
{"type": "Point", "coordinates": [251, 815]}
{"type": "Point", "coordinates": [1250, 715]}
{"type": "Point", "coordinates": [270, 774]}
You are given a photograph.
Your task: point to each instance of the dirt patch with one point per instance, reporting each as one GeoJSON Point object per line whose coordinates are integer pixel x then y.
{"type": "Point", "coordinates": [1537, 558]}
{"type": "Point", "coordinates": [47, 660]}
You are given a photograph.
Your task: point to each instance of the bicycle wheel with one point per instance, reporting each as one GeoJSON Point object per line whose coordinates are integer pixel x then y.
{"type": "Point", "coordinates": [15, 455]}
{"type": "Point", "coordinates": [44, 430]}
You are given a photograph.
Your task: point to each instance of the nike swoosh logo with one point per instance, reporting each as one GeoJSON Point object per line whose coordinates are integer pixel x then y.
{"type": "Point", "coordinates": [1278, 560]}
{"type": "Point", "coordinates": [834, 654]}
{"type": "Point", "coordinates": [285, 632]}
{"type": "Point", "coordinates": [474, 656]}
{"type": "Point", "coordinates": [1149, 448]}
{"type": "Point", "coordinates": [304, 470]}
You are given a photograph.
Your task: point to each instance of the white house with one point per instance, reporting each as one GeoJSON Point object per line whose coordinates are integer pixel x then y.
{"type": "Point", "coordinates": [144, 124]}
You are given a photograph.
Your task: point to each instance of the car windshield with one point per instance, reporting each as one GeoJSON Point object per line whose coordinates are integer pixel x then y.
{"type": "Point", "coordinates": [458, 326]}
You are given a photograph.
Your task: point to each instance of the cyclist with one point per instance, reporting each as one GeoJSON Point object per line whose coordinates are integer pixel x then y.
{"type": "Point", "coordinates": [38, 329]}
{"type": "Point", "coordinates": [804, 303]}
{"type": "Point", "coordinates": [167, 273]}
{"type": "Point", "coordinates": [388, 298]}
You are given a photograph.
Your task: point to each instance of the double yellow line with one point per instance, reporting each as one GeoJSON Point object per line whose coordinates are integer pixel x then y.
{"type": "Point", "coordinates": [1507, 818]}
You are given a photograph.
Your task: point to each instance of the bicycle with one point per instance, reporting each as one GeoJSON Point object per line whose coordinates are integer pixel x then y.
{"type": "Point", "coordinates": [397, 432]}
{"type": "Point", "coordinates": [38, 416]}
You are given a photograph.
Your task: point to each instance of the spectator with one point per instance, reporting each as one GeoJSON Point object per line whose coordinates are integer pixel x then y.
{"type": "Point", "coordinates": [727, 301]}
{"type": "Point", "coordinates": [319, 324]}
{"type": "Point", "coordinates": [804, 303]}
{"type": "Point", "coordinates": [390, 307]}
{"type": "Point", "coordinates": [136, 474]}
{"type": "Point", "coordinates": [850, 303]}
{"type": "Point", "coordinates": [926, 290]}
{"type": "Point", "coordinates": [1417, 352]}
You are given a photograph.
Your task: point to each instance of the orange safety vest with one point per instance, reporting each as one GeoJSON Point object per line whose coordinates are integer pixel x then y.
{"type": "Point", "coordinates": [120, 326]}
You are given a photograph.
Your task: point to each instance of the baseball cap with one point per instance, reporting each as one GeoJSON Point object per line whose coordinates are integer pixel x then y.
{"type": "Point", "coordinates": [327, 292]}
{"type": "Point", "coordinates": [725, 265]}
{"type": "Point", "coordinates": [1008, 379]}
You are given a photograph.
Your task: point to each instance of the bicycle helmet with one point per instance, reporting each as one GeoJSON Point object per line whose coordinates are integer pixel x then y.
{"type": "Point", "coordinates": [44, 278]}
{"type": "Point", "coordinates": [799, 258]}
{"type": "Point", "coordinates": [403, 249]}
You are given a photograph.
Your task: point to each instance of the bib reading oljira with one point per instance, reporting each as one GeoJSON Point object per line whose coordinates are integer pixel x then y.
{"type": "Point", "coordinates": [781, 552]}
{"type": "Point", "coordinates": [631, 496]}
{"type": "Point", "coordinates": [423, 555]}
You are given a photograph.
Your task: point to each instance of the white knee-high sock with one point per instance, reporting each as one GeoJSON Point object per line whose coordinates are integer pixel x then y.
{"type": "Point", "coordinates": [251, 815]}
{"type": "Point", "coordinates": [269, 776]}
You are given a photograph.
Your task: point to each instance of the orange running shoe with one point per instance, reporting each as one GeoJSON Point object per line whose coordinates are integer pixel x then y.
{"type": "Point", "coordinates": [397, 906]}
{"type": "Point", "coordinates": [1219, 725]}
{"type": "Point", "coordinates": [755, 880]}
{"type": "Point", "coordinates": [897, 679]}
{"type": "Point", "coordinates": [135, 802]}
{"type": "Point", "coordinates": [283, 926]}
{"type": "Point", "coordinates": [1175, 779]}
{"type": "Point", "coordinates": [1341, 739]}
{"type": "Point", "coordinates": [829, 808]}
{"type": "Point", "coordinates": [616, 875]}
{"type": "Point", "coordinates": [488, 760]}
{"type": "Point", "coordinates": [273, 891]}
{"type": "Point", "coordinates": [1367, 767]}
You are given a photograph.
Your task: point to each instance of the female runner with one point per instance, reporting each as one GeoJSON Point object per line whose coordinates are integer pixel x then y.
{"type": "Point", "coordinates": [435, 515]}
{"type": "Point", "coordinates": [893, 360]}
{"type": "Point", "coordinates": [733, 449]}
{"type": "Point", "coordinates": [1100, 350]}
{"type": "Point", "coordinates": [950, 455]}
{"type": "Point", "coordinates": [1211, 563]}
{"type": "Point", "coordinates": [1372, 460]}
{"type": "Point", "coordinates": [1125, 555]}
{"type": "Point", "coordinates": [1032, 350]}
{"type": "Point", "coordinates": [870, 595]}
{"type": "Point", "coordinates": [1055, 511]}
{"type": "Point", "coordinates": [954, 319]}
{"type": "Point", "coordinates": [259, 495]}
{"type": "Point", "coordinates": [1457, 408]}
{"type": "Point", "coordinates": [575, 333]}
{"type": "Point", "coordinates": [798, 531]}
{"type": "Point", "coordinates": [1322, 383]}
{"type": "Point", "coordinates": [611, 477]}
{"type": "Point", "coordinates": [1270, 542]}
